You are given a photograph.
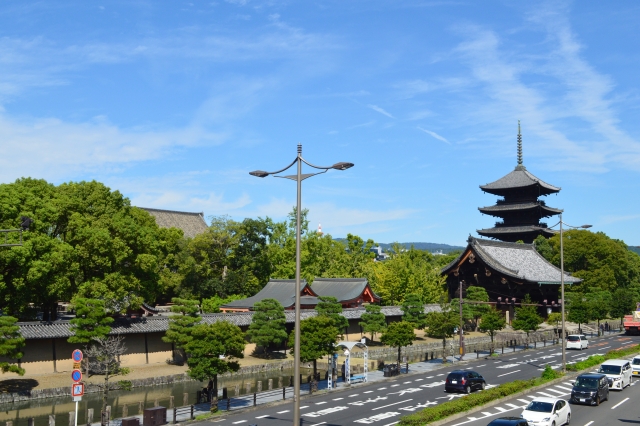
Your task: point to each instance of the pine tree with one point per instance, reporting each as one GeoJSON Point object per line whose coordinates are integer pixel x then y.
{"type": "Point", "coordinates": [398, 334]}
{"type": "Point", "coordinates": [11, 341]}
{"type": "Point", "coordinates": [526, 317]}
{"type": "Point", "coordinates": [91, 320]}
{"type": "Point", "coordinates": [492, 321]}
{"type": "Point", "coordinates": [181, 326]}
{"type": "Point", "coordinates": [330, 307]}
{"type": "Point", "coordinates": [373, 320]}
{"type": "Point", "coordinates": [268, 324]}
{"type": "Point", "coordinates": [413, 311]}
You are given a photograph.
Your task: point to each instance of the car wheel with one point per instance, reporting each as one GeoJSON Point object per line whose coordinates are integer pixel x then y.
{"type": "Point", "coordinates": [467, 389]}
{"type": "Point", "coordinates": [597, 400]}
{"type": "Point", "coordinates": [484, 385]}
{"type": "Point", "coordinates": [568, 419]}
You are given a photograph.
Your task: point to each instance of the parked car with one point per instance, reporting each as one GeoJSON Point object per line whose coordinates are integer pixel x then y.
{"type": "Point", "coordinates": [618, 373]}
{"type": "Point", "coordinates": [464, 381]}
{"type": "Point", "coordinates": [547, 412]}
{"type": "Point", "coordinates": [577, 341]}
{"type": "Point", "coordinates": [590, 388]}
{"type": "Point", "coordinates": [509, 421]}
{"type": "Point", "coordinates": [635, 366]}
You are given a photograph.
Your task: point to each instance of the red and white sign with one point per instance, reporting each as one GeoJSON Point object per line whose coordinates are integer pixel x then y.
{"type": "Point", "coordinates": [77, 389]}
{"type": "Point", "coordinates": [76, 375]}
{"type": "Point", "coordinates": [76, 355]}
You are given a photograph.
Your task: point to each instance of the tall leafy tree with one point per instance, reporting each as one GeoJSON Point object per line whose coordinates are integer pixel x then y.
{"type": "Point", "coordinates": [493, 321]}
{"type": "Point", "coordinates": [318, 337]}
{"type": "Point", "coordinates": [91, 321]}
{"type": "Point", "coordinates": [398, 335]}
{"type": "Point", "coordinates": [623, 302]}
{"type": "Point", "coordinates": [214, 349]}
{"type": "Point", "coordinates": [579, 308]}
{"type": "Point", "coordinates": [187, 315]}
{"type": "Point", "coordinates": [373, 320]}
{"type": "Point", "coordinates": [329, 307]}
{"type": "Point", "coordinates": [600, 304]}
{"type": "Point", "coordinates": [413, 311]}
{"type": "Point", "coordinates": [11, 343]}
{"type": "Point", "coordinates": [477, 310]}
{"type": "Point", "coordinates": [267, 324]}
{"type": "Point", "coordinates": [442, 324]}
{"type": "Point", "coordinates": [526, 317]}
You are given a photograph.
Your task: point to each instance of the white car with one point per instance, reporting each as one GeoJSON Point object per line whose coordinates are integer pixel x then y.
{"type": "Point", "coordinates": [635, 365]}
{"type": "Point", "coordinates": [577, 341]}
{"type": "Point", "coordinates": [547, 412]}
{"type": "Point", "coordinates": [618, 373]}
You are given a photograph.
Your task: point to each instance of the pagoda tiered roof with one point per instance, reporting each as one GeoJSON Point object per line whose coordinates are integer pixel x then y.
{"type": "Point", "coordinates": [502, 208]}
{"type": "Point", "coordinates": [519, 179]}
{"type": "Point", "coordinates": [516, 233]}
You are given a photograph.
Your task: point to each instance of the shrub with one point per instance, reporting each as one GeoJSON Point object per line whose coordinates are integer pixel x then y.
{"type": "Point", "coordinates": [550, 374]}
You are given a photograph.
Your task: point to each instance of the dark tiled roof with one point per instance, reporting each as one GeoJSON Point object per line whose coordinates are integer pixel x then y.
{"type": "Point", "coordinates": [281, 290]}
{"type": "Point", "coordinates": [498, 208]}
{"type": "Point", "coordinates": [62, 329]}
{"type": "Point", "coordinates": [343, 289]}
{"type": "Point", "coordinates": [516, 230]}
{"type": "Point", "coordinates": [191, 224]}
{"type": "Point", "coordinates": [519, 261]}
{"type": "Point", "coordinates": [519, 178]}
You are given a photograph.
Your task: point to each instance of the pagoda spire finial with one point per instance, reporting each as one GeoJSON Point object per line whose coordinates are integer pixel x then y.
{"type": "Point", "coordinates": [519, 145]}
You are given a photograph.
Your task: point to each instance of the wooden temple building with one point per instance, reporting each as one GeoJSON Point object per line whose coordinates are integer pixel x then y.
{"type": "Point", "coordinates": [511, 268]}
{"type": "Point", "coordinates": [520, 209]}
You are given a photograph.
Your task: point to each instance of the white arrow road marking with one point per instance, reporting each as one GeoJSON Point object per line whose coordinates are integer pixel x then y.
{"type": "Point", "coordinates": [425, 405]}
{"type": "Point", "coordinates": [432, 385]}
{"type": "Point", "coordinates": [509, 366]}
{"type": "Point", "coordinates": [511, 372]}
{"type": "Point", "coordinates": [408, 390]}
{"type": "Point", "coordinates": [377, 417]}
{"type": "Point", "coordinates": [389, 405]}
{"type": "Point", "coordinates": [327, 411]}
{"type": "Point", "coordinates": [450, 397]}
{"type": "Point", "coordinates": [620, 403]}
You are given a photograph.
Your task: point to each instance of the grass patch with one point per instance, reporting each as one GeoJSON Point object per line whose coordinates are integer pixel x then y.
{"type": "Point", "coordinates": [466, 403]}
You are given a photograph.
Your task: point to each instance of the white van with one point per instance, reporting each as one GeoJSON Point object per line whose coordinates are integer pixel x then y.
{"type": "Point", "coordinates": [635, 365]}
{"type": "Point", "coordinates": [618, 373]}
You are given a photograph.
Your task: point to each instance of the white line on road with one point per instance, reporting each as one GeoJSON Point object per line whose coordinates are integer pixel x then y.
{"type": "Point", "coordinates": [406, 383]}
{"type": "Point", "coordinates": [393, 386]}
{"type": "Point", "coordinates": [316, 424]}
{"type": "Point", "coordinates": [381, 389]}
{"type": "Point", "coordinates": [355, 394]}
{"type": "Point", "coordinates": [391, 424]}
{"type": "Point", "coordinates": [367, 391]}
{"type": "Point", "coordinates": [546, 394]}
{"type": "Point", "coordinates": [320, 403]}
{"type": "Point", "coordinates": [241, 421]}
{"type": "Point", "coordinates": [439, 375]}
{"type": "Point", "coordinates": [304, 406]}
{"type": "Point", "coordinates": [262, 417]}
{"type": "Point", "coordinates": [419, 380]}
{"type": "Point", "coordinates": [478, 366]}
{"type": "Point", "coordinates": [511, 372]}
{"type": "Point", "coordinates": [620, 403]}
{"type": "Point", "coordinates": [282, 412]}
{"type": "Point", "coordinates": [590, 423]}
{"type": "Point", "coordinates": [395, 403]}
{"type": "Point", "coordinates": [337, 399]}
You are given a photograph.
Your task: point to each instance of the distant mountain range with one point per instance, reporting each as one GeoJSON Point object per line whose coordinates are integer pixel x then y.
{"type": "Point", "coordinates": [432, 247]}
{"type": "Point", "coordinates": [634, 249]}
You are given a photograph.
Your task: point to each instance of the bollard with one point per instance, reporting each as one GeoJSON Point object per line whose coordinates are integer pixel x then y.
{"type": "Point", "coordinates": [125, 411]}
{"type": "Point", "coordinates": [290, 380]}
{"type": "Point", "coordinates": [270, 384]}
{"type": "Point", "coordinates": [284, 390]}
{"type": "Point", "coordinates": [545, 342]}
{"type": "Point", "coordinates": [228, 404]}
{"type": "Point", "coordinates": [502, 349]}
{"type": "Point", "coordinates": [30, 421]}
{"type": "Point", "coordinates": [140, 407]}
{"type": "Point", "coordinates": [254, 399]}
{"type": "Point", "coordinates": [280, 381]}
{"type": "Point", "coordinates": [156, 403]}
{"type": "Point", "coordinates": [247, 387]}
{"type": "Point", "coordinates": [198, 396]}
{"type": "Point", "coordinates": [52, 420]}
{"type": "Point", "coordinates": [237, 390]}
{"type": "Point", "coordinates": [535, 344]}
{"type": "Point", "coordinates": [175, 416]}
{"type": "Point", "coordinates": [259, 386]}
{"type": "Point", "coordinates": [225, 393]}
{"type": "Point", "coordinates": [192, 417]}
{"type": "Point", "coordinates": [72, 418]}
{"type": "Point", "coordinates": [108, 412]}
{"type": "Point", "coordinates": [89, 416]}
{"type": "Point", "coordinates": [9, 423]}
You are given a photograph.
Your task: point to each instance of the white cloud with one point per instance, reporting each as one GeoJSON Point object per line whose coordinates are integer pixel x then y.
{"type": "Point", "coordinates": [609, 219]}
{"type": "Point", "coordinates": [434, 134]}
{"type": "Point", "coordinates": [380, 110]}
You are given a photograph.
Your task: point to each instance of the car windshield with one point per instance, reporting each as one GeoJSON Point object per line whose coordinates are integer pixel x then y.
{"type": "Point", "coordinates": [609, 369]}
{"type": "Point", "coordinates": [584, 382]}
{"type": "Point", "coordinates": [539, 406]}
{"type": "Point", "coordinates": [636, 361]}
{"type": "Point", "coordinates": [573, 338]}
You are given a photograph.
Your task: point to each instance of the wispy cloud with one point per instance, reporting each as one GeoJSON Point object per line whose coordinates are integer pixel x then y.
{"type": "Point", "coordinates": [367, 124]}
{"type": "Point", "coordinates": [609, 219]}
{"type": "Point", "coordinates": [380, 110]}
{"type": "Point", "coordinates": [435, 135]}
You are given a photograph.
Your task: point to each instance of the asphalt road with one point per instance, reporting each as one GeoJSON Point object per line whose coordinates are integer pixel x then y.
{"type": "Point", "coordinates": [383, 403]}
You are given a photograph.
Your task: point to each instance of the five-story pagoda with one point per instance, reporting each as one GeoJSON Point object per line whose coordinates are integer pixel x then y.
{"type": "Point", "coordinates": [519, 209]}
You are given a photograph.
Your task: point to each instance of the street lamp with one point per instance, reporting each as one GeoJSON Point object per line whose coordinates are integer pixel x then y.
{"type": "Point", "coordinates": [564, 349]}
{"type": "Point", "coordinates": [299, 177]}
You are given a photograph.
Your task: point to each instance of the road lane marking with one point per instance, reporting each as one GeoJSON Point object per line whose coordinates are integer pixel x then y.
{"type": "Point", "coordinates": [317, 424]}
{"type": "Point", "coordinates": [429, 377]}
{"type": "Point", "coordinates": [620, 403]}
{"type": "Point", "coordinates": [304, 406]}
{"type": "Point", "coordinates": [391, 424]}
{"type": "Point", "coordinates": [523, 400]}
{"type": "Point", "coordinates": [238, 422]}
{"type": "Point", "coordinates": [590, 423]}
{"type": "Point", "coordinates": [502, 410]}
{"type": "Point", "coordinates": [419, 380]}
{"type": "Point", "coordinates": [506, 374]}
{"type": "Point", "coordinates": [367, 391]}
{"type": "Point", "coordinates": [356, 394]}
{"type": "Point", "coordinates": [395, 403]}
{"type": "Point", "coordinates": [406, 383]}
{"type": "Point", "coordinates": [337, 399]}
{"type": "Point", "coordinates": [547, 394]}
{"type": "Point", "coordinates": [512, 405]}
{"type": "Point", "coordinates": [282, 412]}
{"type": "Point", "coordinates": [262, 417]}
{"type": "Point", "coordinates": [557, 391]}
{"type": "Point", "coordinates": [393, 386]}
{"type": "Point", "coordinates": [439, 375]}
{"type": "Point", "coordinates": [319, 403]}
{"type": "Point", "coordinates": [381, 389]}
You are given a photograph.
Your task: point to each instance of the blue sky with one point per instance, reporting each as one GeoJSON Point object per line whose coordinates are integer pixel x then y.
{"type": "Point", "coordinates": [173, 103]}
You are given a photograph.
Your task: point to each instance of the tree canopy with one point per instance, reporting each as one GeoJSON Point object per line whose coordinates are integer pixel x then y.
{"type": "Point", "coordinates": [398, 334]}
{"type": "Point", "coordinates": [373, 320]}
{"type": "Point", "coordinates": [267, 324]}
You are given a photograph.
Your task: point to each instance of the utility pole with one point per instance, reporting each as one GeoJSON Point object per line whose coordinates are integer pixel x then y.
{"type": "Point", "coordinates": [461, 322]}
{"type": "Point", "coordinates": [25, 222]}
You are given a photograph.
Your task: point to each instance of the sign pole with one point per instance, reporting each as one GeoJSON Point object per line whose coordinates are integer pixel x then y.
{"type": "Point", "coordinates": [76, 419]}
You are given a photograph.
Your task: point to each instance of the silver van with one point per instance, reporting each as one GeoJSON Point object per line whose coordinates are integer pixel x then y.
{"type": "Point", "coordinates": [618, 373]}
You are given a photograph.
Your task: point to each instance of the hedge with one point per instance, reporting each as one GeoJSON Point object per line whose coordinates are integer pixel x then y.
{"type": "Point", "coordinates": [466, 403]}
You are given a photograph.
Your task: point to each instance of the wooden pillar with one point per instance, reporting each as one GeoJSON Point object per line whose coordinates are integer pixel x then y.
{"type": "Point", "coordinates": [53, 353]}
{"type": "Point", "coordinates": [146, 348]}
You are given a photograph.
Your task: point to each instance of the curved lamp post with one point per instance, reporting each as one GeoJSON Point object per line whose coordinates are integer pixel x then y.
{"type": "Point", "coordinates": [564, 349]}
{"type": "Point", "coordinates": [299, 177]}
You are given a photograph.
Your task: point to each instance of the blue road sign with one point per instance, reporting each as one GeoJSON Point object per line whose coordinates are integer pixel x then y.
{"type": "Point", "coordinates": [77, 355]}
{"type": "Point", "coordinates": [76, 375]}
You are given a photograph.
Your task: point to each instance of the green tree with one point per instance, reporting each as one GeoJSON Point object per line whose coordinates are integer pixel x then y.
{"type": "Point", "coordinates": [398, 334]}
{"type": "Point", "coordinates": [579, 309]}
{"type": "Point", "coordinates": [413, 311]}
{"type": "Point", "coordinates": [600, 303]}
{"type": "Point", "coordinates": [91, 320]}
{"type": "Point", "coordinates": [623, 302]}
{"type": "Point", "coordinates": [268, 324]}
{"type": "Point", "coordinates": [181, 325]}
{"type": "Point", "coordinates": [554, 318]}
{"type": "Point", "coordinates": [477, 310]}
{"type": "Point", "coordinates": [212, 304]}
{"type": "Point", "coordinates": [329, 306]}
{"type": "Point", "coordinates": [318, 337]}
{"type": "Point", "coordinates": [493, 321]}
{"type": "Point", "coordinates": [373, 320]}
{"type": "Point", "coordinates": [11, 342]}
{"type": "Point", "coordinates": [526, 317]}
{"type": "Point", "coordinates": [214, 350]}
{"type": "Point", "coordinates": [442, 324]}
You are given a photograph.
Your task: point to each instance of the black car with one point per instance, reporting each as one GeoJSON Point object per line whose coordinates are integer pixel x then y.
{"type": "Point", "coordinates": [590, 388]}
{"type": "Point", "coordinates": [464, 381]}
{"type": "Point", "coordinates": [509, 421]}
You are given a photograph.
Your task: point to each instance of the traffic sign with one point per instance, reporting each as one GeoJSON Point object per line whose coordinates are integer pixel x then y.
{"type": "Point", "coordinates": [77, 389]}
{"type": "Point", "coordinates": [76, 356]}
{"type": "Point", "coordinates": [76, 375]}
{"type": "Point", "coordinates": [76, 365]}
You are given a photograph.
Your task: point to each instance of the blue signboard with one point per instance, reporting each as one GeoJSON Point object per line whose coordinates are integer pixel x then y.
{"type": "Point", "coordinates": [77, 355]}
{"type": "Point", "coordinates": [76, 375]}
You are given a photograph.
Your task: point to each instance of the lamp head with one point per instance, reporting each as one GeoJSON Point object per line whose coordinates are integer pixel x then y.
{"type": "Point", "coordinates": [25, 222]}
{"type": "Point", "coordinates": [342, 166]}
{"type": "Point", "coordinates": [585, 226]}
{"type": "Point", "coordinates": [259, 173]}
